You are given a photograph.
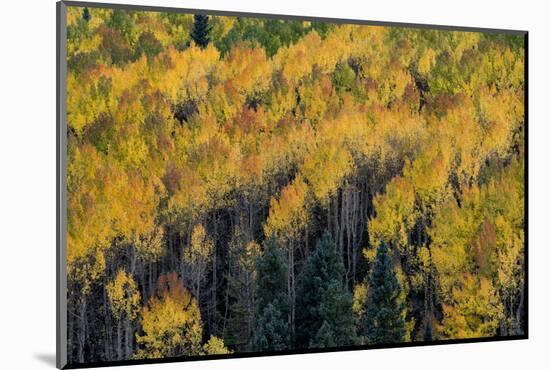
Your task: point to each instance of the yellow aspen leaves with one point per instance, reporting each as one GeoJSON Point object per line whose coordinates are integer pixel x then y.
{"type": "Point", "coordinates": [215, 346]}
{"type": "Point", "coordinates": [427, 61]}
{"type": "Point", "coordinates": [288, 213]}
{"type": "Point", "coordinates": [171, 322]}
{"type": "Point", "coordinates": [394, 215]}
{"type": "Point", "coordinates": [326, 168]}
{"type": "Point", "coordinates": [201, 246]}
{"type": "Point", "coordinates": [124, 296]}
{"type": "Point", "coordinates": [185, 155]}
{"type": "Point", "coordinates": [476, 312]}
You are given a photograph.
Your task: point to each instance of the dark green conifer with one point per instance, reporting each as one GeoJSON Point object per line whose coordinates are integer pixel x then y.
{"type": "Point", "coordinates": [272, 332]}
{"type": "Point", "coordinates": [324, 315]}
{"type": "Point", "coordinates": [384, 313]}
{"type": "Point", "coordinates": [201, 30]}
{"type": "Point", "coordinates": [86, 14]}
{"type": "Point", "coordinates": [272, 329]}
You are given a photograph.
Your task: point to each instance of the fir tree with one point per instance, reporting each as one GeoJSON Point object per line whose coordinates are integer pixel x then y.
{"type": "Point", "coordinates": [271, 275]}
{"type": "Point", "coordinates": [201, 30]}
{"type": "Point", "coordinates": [272, 329]}
{"type": "Point", "coordinates": [271, 300]}
{"type": "Point", "coordinates": [384, 313]}
{"type": "Point", "coordinates": [324, 314]}
{"type": "Point", "coordinates": [324, 337]}
{"type": "Point", "coordinates": [86, 14]}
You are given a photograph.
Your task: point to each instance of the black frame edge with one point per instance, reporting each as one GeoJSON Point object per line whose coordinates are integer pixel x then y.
{"type": "Point", "coordinates": [292, 352]}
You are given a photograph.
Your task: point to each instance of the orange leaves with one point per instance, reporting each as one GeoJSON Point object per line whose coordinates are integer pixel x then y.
{"type": "Point", "coordinates": [169, 286]}
{"type": "Point", "coordinates": [484, 246]}
{"type": "Point", "coordinates": [188, 191]}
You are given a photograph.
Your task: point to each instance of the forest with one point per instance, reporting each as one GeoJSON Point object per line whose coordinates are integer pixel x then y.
{"type": "Point", "coordinates": [245, 184]}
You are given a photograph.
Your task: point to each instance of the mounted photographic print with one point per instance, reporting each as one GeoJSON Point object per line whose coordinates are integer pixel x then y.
{"type": "Point", "coordinates": [234, 184]}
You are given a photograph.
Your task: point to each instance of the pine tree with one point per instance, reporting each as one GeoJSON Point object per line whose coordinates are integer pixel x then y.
{"type": "Point", "coordinates": [271, 275]}
{"type": "Point", "coordinates": [324, 315]}
{"type": "Point", "coordinates": [86, 14]}
{"type": "Point", "coordinates": [272, 331]}
{"type": "Point", "coordinates": [324, 337]}
{"type": "Point", "coordinates": [241, 310]}
{"type": "Point", "coordinates": [201, 30]}
{"type": "Point", "coordinates": [384, 322]}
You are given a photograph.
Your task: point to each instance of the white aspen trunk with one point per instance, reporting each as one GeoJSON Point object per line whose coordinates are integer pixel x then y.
{"type": "Point", "coordinates": [128, 339]}
{"type": "Point", "coordinates": [82, 330]}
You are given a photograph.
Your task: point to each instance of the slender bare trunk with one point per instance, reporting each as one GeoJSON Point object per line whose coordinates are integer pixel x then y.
{"type": "Point", "coordinates": [107, 344]}
{"type": "Point", "coordinates": [128, 339]}
{"type": "Point", "coordinates": [82, 330]}
{"type": "Point", "coordinates": [119, 340]}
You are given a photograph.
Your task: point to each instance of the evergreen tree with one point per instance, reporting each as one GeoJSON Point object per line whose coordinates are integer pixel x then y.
{"type": "Point", "coordinates": [324, 337]}
{"type": "Point", "coordinates": [272, 329]}
{"type": "Point", "coordinates": [271, 276]}
{"type": "Point", "coordinates": [241, 310]}
{"type": "Point", "coordinates": [201, 30]}
{"type": "Point", "coordinates": [384, 322]}
{"type": "Point", "coordinates": [271, 299]}
{"type": "Point", "coordinates": [86, 14]}
{"type": "Point", "coordinates": [324, 315]}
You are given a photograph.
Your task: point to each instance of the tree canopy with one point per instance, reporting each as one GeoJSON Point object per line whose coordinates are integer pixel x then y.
{"type": "Point", "coordinates": [247, 184]}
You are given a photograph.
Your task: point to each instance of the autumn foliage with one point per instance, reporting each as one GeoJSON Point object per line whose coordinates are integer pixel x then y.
{"type": "Point", "coordinates": [392, 147]}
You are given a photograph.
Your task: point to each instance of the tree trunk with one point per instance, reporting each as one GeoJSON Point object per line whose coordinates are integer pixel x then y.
{"type": "Point", "coordinates": [108, 326]}
{"type": "Point", "coordinates": [291, 287]}
{"type": "Point", "coordinates": [82, 330]}
{"type": "Point", "coordinates": [119, 340]}
{"type": "Point", "coordinates": [129, 341]}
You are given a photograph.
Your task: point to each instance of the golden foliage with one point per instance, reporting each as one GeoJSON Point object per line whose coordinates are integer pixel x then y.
{"type": "Point", "coordinates": [360, 293]}
{"type": "Point", "coordinates": [201, 247]}
{"type": "Point", "coordinates": [394, 214]}
{"type": "Point", "coordinates": [170, 321]}
{"type": "Point", "coordinates": [124, 296]}
{"type": "Point", "coordinates": [435, 118]}
{"type": "Point", "coordinates": [326, 168]}
{"type": "Point", "coordinates": [288, 214]}
{"type": "Point", "coordinates": [215, 346]}
{"type": "Point", "coordinates": [476, 311]}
